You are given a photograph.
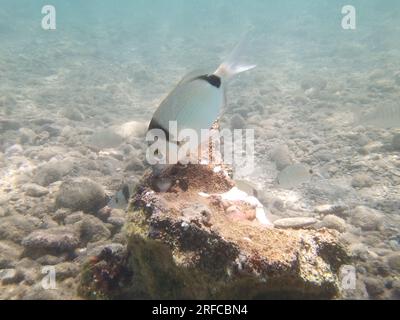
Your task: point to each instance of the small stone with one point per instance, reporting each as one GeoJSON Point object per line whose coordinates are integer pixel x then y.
{"type": "Point", "coordinates": [295, 223]}
{"type": "Point", "coordinates": [338, 210]}
{"type": "Point", "coordinates": [53, 171]}
{"type": "Point", "coordinates": [394, 261]}
{"type": "Point", "coordinates": [93, 229]}
{"type": "Point", "coordinates": [333, 222]}
{"type": "Point", "coordinates": [74, 217]}
{"type": "Point", "coordinates": [9, 254]}
{"type": "Point", "coordinates": [362, 180]}
{"type": "Point", "coordinates": [10, 276]}
{"type": "Point", "coordinates": [66, 270]}
{"type": "Point", "coordinates": [281, 156]}
{"type": "Point", "coordinates": [237, 122]}
{"type": "Point", "coordinates": [396, 142]}
{"type": "Point", "coordinates": [14, 150]}
{"type": "Point", "coordinates": [375, 287]}
{"type": "Point", "coordinates": [81, 194]}
{"type": "Point", "coordinates": [72, 114]}
{"type": "Point", "coordinates": [134, 164]}
{"type": "Point", "coordinates": [34, 190]}
{"type": "Point", "coordinates": [59, 239]}
{"type": "Point", "coordinates": [366, 218]}
{"type": "Point", "coordinates": [26, 136]}
{"type": "Point", "coordinates": [16, 227]}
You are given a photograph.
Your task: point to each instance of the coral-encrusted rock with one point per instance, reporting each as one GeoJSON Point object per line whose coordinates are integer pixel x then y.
{"type": "Point", "coordinates": [210, 254]}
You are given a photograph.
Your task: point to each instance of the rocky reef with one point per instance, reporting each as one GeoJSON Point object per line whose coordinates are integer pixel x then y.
{"type": "Point", "coordinates": [192, 234]}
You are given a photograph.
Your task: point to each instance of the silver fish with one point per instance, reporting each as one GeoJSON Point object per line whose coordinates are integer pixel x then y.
{"type": "Point", "coordinates": [196, 102]}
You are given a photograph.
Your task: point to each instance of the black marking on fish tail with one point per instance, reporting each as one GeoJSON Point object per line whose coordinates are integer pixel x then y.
{"type": "Point", "coordinates": [211, 79]}
{"type": "Point", "coordinates": [155, 125]}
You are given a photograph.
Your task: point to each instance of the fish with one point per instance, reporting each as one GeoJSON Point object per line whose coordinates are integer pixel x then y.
{"type": "Point", "coordinates": [121, 198]}
{"type": "Point", "coordinates": [198, 99]}
{"type": "Point", "coordinates": [385, 116]}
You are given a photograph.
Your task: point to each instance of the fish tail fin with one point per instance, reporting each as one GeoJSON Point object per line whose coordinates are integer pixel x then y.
{"type": "Point", "coordinates": [235, 63]}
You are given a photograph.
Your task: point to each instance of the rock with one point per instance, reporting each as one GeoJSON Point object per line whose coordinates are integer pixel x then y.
{"type": "Point", "coordinates": [52, 129]}
{"type": "Point", "coordinates": [105, 138]}
{"type": "Point", "coordinates": [53, 171]}
{"type": "Point", "coordinates": [93, 229]}
{"type": "Point", "coordinates": [281, 156]}
{"type": "Point", "coordinates": [9, 254]}
{"type": "Point", "coordinates": [295, 223]}
{"type": "Point", "coordinates": [26, 136]}
{"type": "Point", "coordinates": [134, 164]}
{"type": "Point", "coordinates": [375, 287]}
{"type": "Point", "coordinates": [57, 239]}
{"type": "Point", "coordinates": [34, 190]}
{"type": "Point", "coordinates": [36, 292]}
{"type": "Point", "coordinates": [167, 256]}
{"type": "Point", "coordinates": [333, 222]}
{"type": "Point", "coordinates": [14, 150]}
{"type": "Point", "coordinates": [362, 180]}
{"type": "Point", "coordinates": [339, 210]}
{"type": "Point", "coordinates": [394, 261]}
{"type": "Point", "coordinates": [9, 124]}
{"type": "Point", "coordinates": [237, 122]}
{"type": "Point", "coordinates": [16, 227]}
{"type": "Point", "coordinates": [10, 276]}
{"type": "Point", "coordinates": [366, 218]}
{"type": "Point", "coordinates": [117, 218]}
{"type": "Point", "coordinates": [74, 217]}
{"type": "Point", "coordinates": [50, 260]}
{"type": "Point", "coordinates": [73, 114]}
{"type": "Point", "coordinates": [396, 142]}
{"type": "Point", "coordinates": [66, 270]}
{"type": "Point", "coordinates": [81, 194]}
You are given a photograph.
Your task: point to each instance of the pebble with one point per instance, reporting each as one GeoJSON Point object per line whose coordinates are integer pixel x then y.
{"type": "Point", "coordinates": [16, 227]}
{"type": "Point", "coordinates": [281, 156]}
{"type": "Point", "coordinates": [336, 209]}
{"type": "Point", "coordinates": [59, 239]}
{"type": "Point", "coordinates": [396, 142]}
{"type": "Point", "coordinates": [14, 150]}
{"type": "Point", "coordinates": [81, 194]}
{"type": "Point", "coordinates": [375, 287]}
{"type": "Point", "coordinates": [394, 261]}
{"type": "Point", "coordinates": [9, 254]}
{"type": "Point", "coordinates": [53, 171]}
{"type": "Point", "coordinates": [93, 229]}
{"type": "Point", "coordinates": [366, 218]}
{"type": "Point", "coordinates": [331, 221]}
{"type": "Point", "coordinates": [237, 122]}
{"type": "Point", "coordinates": [362, 180]}
{"type": "Point", "coordinates": [34, 190]}
{"type": "Point", "coordinates": [295, 223]}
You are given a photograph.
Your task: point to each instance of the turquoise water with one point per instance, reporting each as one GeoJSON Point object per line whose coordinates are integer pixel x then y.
{"type": "Point", "coordinates": [112, 62]}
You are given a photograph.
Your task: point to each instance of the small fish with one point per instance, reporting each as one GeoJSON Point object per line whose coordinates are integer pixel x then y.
{"type": "Point", "coordinates": [197, 100]}
{"type": "Point", "coordinates": [121, 199]}
{"type": "Point", "coordinates": [386, 116]}
{"type": "Point", "coordinates": [294, 175]}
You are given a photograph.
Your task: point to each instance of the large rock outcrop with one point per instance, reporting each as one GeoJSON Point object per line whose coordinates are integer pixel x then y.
{"type": "Point", "coordinates": [192, 235]}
